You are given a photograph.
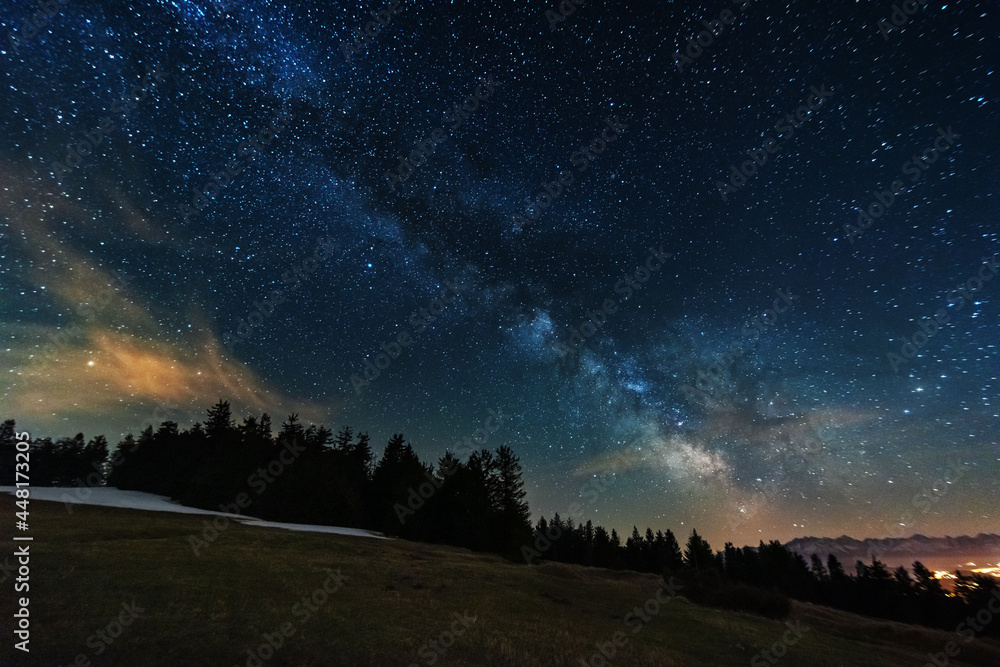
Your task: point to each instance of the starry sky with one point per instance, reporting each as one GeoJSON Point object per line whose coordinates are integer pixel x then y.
{"type": "Point", "coordinates": [467, 187]}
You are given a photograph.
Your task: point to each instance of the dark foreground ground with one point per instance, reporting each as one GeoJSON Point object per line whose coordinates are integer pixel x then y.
{"type": "Point", "coordinates": [335, 600]}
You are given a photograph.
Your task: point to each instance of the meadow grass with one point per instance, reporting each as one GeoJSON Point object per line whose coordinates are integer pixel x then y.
{"type": "Point", "coordinates": [210, 609]}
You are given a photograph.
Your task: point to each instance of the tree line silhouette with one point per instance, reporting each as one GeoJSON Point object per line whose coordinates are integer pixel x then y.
{"type": "Point", "coordinates": [762, 579]}
{"type": "Point", "coordinates": [309, 475]}
{"type": "Point", "coordinates": [67, 462]}
{"type": "Point", "coordinates": [302, 475]}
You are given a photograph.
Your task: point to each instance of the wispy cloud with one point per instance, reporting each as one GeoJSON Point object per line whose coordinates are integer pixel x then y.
{"type": "Point", "coordinates": [110, 349]}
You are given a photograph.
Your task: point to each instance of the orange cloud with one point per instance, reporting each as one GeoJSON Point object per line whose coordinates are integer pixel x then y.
{"type": "Point", "coordinates": [110, 357]}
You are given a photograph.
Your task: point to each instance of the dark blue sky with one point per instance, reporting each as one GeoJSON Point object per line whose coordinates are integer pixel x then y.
{"type": "Point", "coordinates": [804, 428]}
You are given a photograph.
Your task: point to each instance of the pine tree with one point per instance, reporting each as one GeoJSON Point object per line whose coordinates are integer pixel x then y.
{"type": "Point", "coordinates": [344, 439]}
{"type": "Point", "coordinates": [648, 551]}
{"type": "Point", "coordinates": [8, 452]}
{"type": "Point", "coordinates": [698, 553]}
{"type": "Point", "coordinates": [901, 578]}
{"type": "Point", "coordinates": [926, 583]}
{"type": "Point", "coordinates": [837, 573]}
{"type": "Point", "coordinates": [633, 551]}
{"type": "Point", "coordinates": [674, 559]}
{"type": "Point", "coordinates": [514, 515]}
{"type": "Point", "coordinates": [95, 461]}
{"type": "Point", "coordinates": [292, 432]}
{"type": "Point", "coordinates": [220, 420]}
{"type": "Point", "coordinates": [121, 471]}
{"type": "Point", "coordinates": [362, 460]}
{"type": "Point", "coordinates": [398, 471]}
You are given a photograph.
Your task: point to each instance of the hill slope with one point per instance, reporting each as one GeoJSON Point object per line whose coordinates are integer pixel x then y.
{"type": "Point", "coordinates": [384, 603]}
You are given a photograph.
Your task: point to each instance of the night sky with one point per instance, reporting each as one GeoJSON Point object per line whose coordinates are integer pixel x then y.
{"type": "Point", "coordinates": [128, 280]}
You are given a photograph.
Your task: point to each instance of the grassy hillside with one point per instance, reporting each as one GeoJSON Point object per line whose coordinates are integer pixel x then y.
{"type": "Point", "coordinates": [398, 596]}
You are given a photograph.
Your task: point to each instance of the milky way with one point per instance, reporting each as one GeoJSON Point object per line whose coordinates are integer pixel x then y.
{"type": "Point", "coordinates": [726, 265]}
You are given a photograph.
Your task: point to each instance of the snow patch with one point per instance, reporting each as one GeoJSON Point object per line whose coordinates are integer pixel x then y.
{"type": "Point", "coordinates": [149, 502]}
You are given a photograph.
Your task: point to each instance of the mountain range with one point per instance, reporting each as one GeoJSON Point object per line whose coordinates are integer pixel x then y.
{"type": "Point", "coordinates": [900, 550]}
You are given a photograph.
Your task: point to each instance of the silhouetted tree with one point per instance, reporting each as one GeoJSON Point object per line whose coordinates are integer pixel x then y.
{"type": "Point", "coordinates": [697, 553]}
{"type": "Point", "coordinates": [513, 527]}
{"type": "Point", "coordinates": [674, 557]}
{"type": "Point", "coordinates": [309, 474]}
{"type": "Point", "coordinates": [8, 452]}
{"type": "Point", "coordinates": [220, 420]}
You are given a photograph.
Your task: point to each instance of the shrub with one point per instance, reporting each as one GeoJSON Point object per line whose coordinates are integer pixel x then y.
{"type": "Point", "coordinates": [740, 597]}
